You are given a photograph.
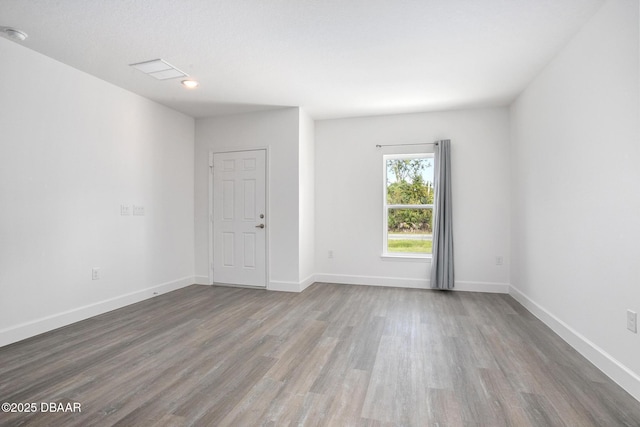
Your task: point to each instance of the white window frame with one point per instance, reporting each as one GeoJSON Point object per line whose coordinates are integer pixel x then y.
{"type": "Point", "coordinates": [386, 207]}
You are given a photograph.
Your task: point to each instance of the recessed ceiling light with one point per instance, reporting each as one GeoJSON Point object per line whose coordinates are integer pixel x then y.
{"type": "Point", "coordinates": [190, 84]}
{"type": "Point", "coordinates": [14, 34]}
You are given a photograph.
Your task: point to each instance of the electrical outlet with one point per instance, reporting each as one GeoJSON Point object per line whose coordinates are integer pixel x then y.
{"type": "Point", "coordinates": [330, 254]}
{"type": "Point", "coordinates": [499, 260]}
{"type": "Point", "coordinates": [95, 273]}
{"type": "Point", "coordinates": [632, 321]}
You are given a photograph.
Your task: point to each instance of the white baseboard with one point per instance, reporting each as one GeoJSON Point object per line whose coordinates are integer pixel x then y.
{"type": "Point", "coordinates": [307, 282]}
{"type": "Point", "coordinates": [623, 376]}
{"type": "Point", "coordinates": [274, 285]}
{"type": "Point", "coordinates": [397, 282]}
{"type": "Point", "coordinates": [486, 287]}
{"type": "Point", "coordinates": [44, 324]}
{"type": "Point", "coordinates": [372, 281]}
{"type": "Point", "coordinates": [286, 286]}
{"type": "Point", "coordinates": [282, 286]}
{"type": "Point", "coordinates": [201, 280]}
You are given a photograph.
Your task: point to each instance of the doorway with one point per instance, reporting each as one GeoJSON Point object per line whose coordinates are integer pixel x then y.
{"type": "Point", "coordinates": [239, 222]}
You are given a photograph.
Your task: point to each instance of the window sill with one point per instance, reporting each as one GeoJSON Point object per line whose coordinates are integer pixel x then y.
{"type": "Point", "coordinates": [406, 257]}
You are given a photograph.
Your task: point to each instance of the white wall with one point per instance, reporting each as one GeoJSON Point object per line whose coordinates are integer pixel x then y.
{"type": "Point", "coordinates": [575, 182]}
{"type": "Point", "coordinates": [307, 199]}
{"type": "Point", "coordinates": [72, 149]}
{"type": "Point", "coordinates": [278, 130]}
{"type": "Point", "coordinates": [349, 177]}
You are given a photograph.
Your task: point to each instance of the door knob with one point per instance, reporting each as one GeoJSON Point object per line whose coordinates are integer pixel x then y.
{"type": "Point", "coordinates": [260, 226]}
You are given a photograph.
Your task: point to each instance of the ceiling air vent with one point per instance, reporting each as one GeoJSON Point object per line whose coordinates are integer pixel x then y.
{"type": "Point", "coordinates": [159, 69]}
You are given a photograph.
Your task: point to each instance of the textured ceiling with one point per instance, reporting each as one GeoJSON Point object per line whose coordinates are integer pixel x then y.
{"type": "Point", "coordinates": [334, 58]}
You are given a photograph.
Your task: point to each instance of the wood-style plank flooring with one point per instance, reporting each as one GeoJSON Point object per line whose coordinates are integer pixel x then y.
{"type": "Point", "coordinates": [334, 355]}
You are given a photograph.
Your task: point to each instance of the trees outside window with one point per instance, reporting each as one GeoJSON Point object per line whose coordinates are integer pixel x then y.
{"type": "Point", "coordinates": [408, 203]}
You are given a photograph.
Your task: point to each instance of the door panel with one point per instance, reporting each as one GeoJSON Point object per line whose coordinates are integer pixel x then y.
{"type": "Point", "coordinates": [239, 200]}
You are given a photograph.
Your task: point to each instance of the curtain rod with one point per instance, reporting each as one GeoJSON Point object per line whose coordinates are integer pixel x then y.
{"type": "Point", "coordinates": [398, 145]}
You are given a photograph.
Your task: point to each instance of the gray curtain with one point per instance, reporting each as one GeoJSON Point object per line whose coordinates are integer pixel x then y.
{"type": "Point", "coordinates": [442, 256]}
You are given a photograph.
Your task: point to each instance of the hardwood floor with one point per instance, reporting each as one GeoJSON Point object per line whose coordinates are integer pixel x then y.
{"type": "Point", "coordinates": [334, 355]}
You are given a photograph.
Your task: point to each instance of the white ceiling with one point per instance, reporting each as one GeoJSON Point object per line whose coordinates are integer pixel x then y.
{"type": "Point", "coordinates": [334, 58]}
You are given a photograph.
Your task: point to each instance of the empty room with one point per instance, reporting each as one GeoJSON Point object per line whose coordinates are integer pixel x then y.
{"type": "Point", "coordinates": [320, 213]}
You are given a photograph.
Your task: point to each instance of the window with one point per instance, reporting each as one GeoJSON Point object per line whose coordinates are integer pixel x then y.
{"type": "Point", "coordinates": [408, 204]}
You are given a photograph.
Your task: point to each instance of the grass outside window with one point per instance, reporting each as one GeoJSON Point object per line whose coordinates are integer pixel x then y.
{"type": "Point", "coordinates": [410, 246]}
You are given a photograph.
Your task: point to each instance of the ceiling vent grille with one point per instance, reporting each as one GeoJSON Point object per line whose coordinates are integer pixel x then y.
{"type": "Point", "coordinates": [159, 69]}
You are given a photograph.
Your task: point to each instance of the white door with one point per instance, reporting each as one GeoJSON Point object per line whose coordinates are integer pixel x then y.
{"type": "Point", "coordinates": [239, 218]}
